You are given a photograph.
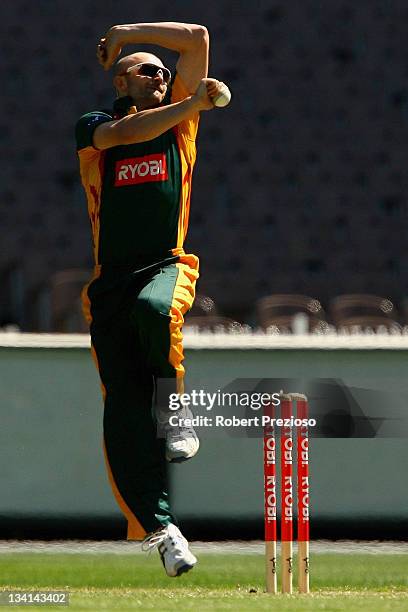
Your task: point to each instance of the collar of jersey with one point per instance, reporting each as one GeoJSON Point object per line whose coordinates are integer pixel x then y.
{"type": "Point", "coordinates": [122, 105]}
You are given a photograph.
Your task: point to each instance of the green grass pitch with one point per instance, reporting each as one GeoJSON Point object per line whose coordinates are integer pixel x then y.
{"type": "Point", "coordinates": [219, 582]}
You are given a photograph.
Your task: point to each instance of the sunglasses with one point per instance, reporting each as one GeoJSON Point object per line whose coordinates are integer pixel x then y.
{"type": "Point", "coordinates": [150, 70]}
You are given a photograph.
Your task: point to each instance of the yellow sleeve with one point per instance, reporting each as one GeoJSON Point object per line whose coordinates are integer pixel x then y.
{"type": "Point", "coordinates": [187, 129]}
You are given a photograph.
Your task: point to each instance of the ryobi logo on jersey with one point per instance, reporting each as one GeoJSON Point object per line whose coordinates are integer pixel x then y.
{"type": "Point", "coordinates": [141, 170]}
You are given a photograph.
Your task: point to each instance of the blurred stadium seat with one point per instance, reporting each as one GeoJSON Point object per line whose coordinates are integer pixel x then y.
{"type": "Point", "coordinates": [290, 313]}
{"type": "Point", "coordinates": [65, 296]}
{"type": "Point", "coordinates": [203, 306]}
{"type": "Point", "coordinates": [364, 311]}
{"type": "Point", "coordinates": [38, 307]}
{"type": "Point", "coordinates": [214, 323]}
{"type": "Point", "coordinates": [204, 316]}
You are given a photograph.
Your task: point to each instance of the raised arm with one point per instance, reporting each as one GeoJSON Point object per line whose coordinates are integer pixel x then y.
{"type": "Point", "coordinates": [148, 124]}
{"type": "Point", "coordinates": [191, 41]}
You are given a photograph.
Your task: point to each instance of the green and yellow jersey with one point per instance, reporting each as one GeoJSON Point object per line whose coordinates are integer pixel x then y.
{"type": "Point", "coordinates": [139, 194]}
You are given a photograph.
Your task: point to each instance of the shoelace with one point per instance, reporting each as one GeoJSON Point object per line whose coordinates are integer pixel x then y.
{"type": "Point", "coordinates": [154, 539]}
{"type": "Point", "coordinates": [177, 433]}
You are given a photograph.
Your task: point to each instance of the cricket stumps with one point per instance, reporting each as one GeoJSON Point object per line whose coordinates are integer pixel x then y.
{"type": "Point", "coordinates": [291, 423]}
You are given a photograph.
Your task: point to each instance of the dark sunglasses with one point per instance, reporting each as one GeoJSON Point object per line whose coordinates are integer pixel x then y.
{"type": "Point", "coordinates": [150, 70]}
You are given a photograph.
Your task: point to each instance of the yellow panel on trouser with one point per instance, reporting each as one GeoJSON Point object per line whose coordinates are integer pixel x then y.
{"type": "Point", "coordinates": [135, 530]}
{"type": "Point", "coordinates": [183, 298]}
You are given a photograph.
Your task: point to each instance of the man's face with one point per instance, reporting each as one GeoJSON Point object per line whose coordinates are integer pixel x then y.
{"type": "Point", "coordinates": [146, 81]}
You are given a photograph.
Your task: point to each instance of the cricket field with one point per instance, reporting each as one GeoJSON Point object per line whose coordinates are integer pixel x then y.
{"type": "Point", "coordinates": [232, 577]}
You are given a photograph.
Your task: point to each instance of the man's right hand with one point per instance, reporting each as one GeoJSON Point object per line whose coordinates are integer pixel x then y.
{"type": "Point", "coordinates": [207, 89]}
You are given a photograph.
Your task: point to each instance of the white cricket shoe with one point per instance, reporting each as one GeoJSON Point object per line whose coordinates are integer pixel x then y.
{"type": "Point", "coordinates": [173, 548]}
{"type": "Point", "coordinates": [181, 445]}
{"type": "Point", "coordinates": [182, 442]}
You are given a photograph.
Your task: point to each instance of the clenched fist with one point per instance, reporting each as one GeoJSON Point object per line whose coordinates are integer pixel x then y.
{"type": "Point", "coordinates": [206, 91]}
{"type": "Point", "coordinates": [110, 46]}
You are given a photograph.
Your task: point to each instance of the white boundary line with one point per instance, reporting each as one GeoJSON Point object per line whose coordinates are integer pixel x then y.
{"type": "Point", "coordinates": [199, 341]}
{"type": "Point", "coordinates": [232, 547]}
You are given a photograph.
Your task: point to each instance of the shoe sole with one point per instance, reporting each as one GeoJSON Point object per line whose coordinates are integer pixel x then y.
{"type": "Point", "coordinates": [179, 459]}
{"type": "Point", "coordinates": [183, 569]}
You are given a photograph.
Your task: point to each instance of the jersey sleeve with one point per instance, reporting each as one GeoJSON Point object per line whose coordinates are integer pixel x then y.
{"type": "Point", "coordinates": [187, 129]}
{"type": "Point", "coordinates": [86, 126]}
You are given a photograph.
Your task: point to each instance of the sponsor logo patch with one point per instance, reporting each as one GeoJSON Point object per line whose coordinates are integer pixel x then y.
{"type": "Point", "coordinates": [146, 169]}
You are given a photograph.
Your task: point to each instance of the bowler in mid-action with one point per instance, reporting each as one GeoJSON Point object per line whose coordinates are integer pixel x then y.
{"type": "Point", "coordinates": [136, 163]}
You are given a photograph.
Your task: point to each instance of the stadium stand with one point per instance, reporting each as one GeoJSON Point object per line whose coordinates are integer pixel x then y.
{"type": "Point", "coordinates": [300, 185]}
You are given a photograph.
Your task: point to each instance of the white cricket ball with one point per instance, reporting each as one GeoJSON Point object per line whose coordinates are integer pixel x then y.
{"type": "Point", "coordinates": [223, 98]}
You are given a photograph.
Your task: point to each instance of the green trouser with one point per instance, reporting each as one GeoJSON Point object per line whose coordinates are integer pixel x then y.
{"type": "Point", "coordinates": [131, 341]}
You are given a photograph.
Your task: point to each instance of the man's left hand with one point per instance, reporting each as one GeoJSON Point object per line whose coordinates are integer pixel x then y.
{"type": "Point", "coordinates": [109, 47]}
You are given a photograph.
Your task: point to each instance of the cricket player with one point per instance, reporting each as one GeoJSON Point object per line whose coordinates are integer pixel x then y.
{"type": "Point", "coordinates": [136, 163]}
